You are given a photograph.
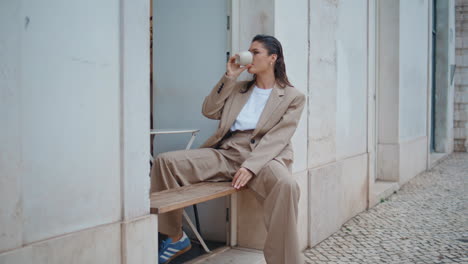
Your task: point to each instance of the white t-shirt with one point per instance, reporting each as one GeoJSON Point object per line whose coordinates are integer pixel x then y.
{"type": "Point", "coordinates": [250, 113]}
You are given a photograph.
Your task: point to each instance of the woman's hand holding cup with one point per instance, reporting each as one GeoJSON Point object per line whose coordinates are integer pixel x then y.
{"type": "Point", "coordinates": [233, 67]}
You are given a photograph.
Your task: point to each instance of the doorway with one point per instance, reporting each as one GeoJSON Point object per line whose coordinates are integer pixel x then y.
{"type": "Point", "coordinates": [189, 49]}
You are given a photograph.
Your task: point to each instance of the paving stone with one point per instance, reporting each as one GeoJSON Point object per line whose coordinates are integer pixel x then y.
{"type": "Point", "coordinates": [424, 222]}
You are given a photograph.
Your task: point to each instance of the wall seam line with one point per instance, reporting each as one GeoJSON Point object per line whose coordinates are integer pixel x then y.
{"type": "Point", "coordinates": [309, 217]}
{"type": "Point", "coordinates": [121, 128]}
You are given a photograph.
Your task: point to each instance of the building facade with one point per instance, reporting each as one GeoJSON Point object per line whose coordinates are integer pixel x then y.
{"type": "Point", "coordinates": [75, 111]}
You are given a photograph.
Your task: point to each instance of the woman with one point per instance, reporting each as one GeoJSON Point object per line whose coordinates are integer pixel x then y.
{"type": "Point", "coordinates": [250, 147]}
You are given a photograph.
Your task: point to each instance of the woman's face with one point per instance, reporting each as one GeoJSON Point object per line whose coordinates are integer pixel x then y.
{"type": "Point", "coordinates": [262, 62]}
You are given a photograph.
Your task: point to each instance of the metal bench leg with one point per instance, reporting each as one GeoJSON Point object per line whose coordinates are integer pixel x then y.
{"type": "Point", "coordinates": [189, 222]}
{"type": "Point", "coordinates": [197, 221]}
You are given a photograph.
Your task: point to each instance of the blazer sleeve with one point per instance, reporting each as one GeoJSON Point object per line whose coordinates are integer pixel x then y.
{"type": "Point", "coordinates": [276, 139]}
{"type": "Point", "coordinates": [214, 103]}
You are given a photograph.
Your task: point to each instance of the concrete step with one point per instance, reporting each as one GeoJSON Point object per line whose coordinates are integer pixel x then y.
{"type": "Point", "coordinates": [436, 158]}
{"type": "Point", "coordinates": [383, 190]}
{"type": "Point", "coordinates": [233, 255]}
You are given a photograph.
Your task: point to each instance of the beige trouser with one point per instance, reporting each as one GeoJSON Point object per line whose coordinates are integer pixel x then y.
{"type": "Point", "coordinates": [274, 187]}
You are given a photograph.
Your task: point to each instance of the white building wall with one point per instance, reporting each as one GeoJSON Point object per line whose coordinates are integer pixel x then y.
{"type": "Point", "coordinates": [337, 118]}
{"type": "Point", "coordinates": [387, 20]}
{"type": "Point", "coordinates": [295, 48]}
{"type": "Point", "coordinates": [351, 88]}
{"type": "Point", "coordinates": [404, 89]}
{"type": "Point", "coordinates": [68, 166]}
{"type": "Point", "coordinates": [322, 82]}
{"type": "Point", "coordinates": [414, 55]}
{"type": "Point", "coordinates": [11, 213]}
{"type": "Point", "coordinates": [65, 101]}
{"type": "Point", "coordinates": [135, 107]}
{"type": "Point", "coordinates": [69, 105]}
{"type": "Point", "coordinates": [414, 46]}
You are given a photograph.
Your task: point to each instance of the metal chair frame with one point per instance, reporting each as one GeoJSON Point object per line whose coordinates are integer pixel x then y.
{"type": "Point", "coordinates": [195, 229]}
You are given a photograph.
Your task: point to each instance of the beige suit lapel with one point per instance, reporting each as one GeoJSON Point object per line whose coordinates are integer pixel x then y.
{"type": "Point", "coordinates": [275, 98]}
{"type": "Point", "coordinates": [236, 106]}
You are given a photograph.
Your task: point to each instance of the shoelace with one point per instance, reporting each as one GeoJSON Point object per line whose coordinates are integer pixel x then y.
{"type": "Point", "coordinates": [164, 244]}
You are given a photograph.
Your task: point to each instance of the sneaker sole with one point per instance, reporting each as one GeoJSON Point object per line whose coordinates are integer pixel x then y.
{"type": "Point", "coordinates": [178, 254]}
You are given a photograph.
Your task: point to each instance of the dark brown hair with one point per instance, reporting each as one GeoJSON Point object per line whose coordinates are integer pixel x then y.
{"type": "Point", "coordinates": [273, 46]}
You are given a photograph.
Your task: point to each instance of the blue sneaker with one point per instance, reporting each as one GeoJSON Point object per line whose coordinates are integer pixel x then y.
{"type": "Point", "coordinates": [169, 250]}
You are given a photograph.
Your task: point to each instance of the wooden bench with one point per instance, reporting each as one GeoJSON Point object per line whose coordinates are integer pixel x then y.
{"type": "Point", "coordinates": [179, 198]}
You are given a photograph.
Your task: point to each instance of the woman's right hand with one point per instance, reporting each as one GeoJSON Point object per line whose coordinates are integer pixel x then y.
{"type": "Point", "coordinates": [233, 69]}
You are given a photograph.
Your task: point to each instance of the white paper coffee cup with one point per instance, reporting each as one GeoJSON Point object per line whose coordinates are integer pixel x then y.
{"type": "Point", "coordinates": [244, 57]}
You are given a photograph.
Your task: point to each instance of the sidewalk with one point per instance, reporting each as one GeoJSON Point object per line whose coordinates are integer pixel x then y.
{"type": "Point", "coordinates": [426, 221]}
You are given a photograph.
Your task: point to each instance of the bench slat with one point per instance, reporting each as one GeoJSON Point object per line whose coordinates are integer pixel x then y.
{"type": "Point", "coordinates": [173, 199]}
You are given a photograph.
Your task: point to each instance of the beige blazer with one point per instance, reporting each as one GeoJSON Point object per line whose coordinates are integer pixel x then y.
{"type": "Point", "coordinates": [271, 138]}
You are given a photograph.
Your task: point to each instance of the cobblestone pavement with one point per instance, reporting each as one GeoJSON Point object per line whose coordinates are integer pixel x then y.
{"type": "Point", "coordinates": [424, 222]}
